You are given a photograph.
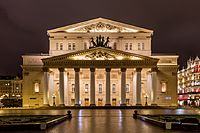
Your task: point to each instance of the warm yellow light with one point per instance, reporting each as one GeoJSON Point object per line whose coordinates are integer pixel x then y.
{"type": "Point", "coordinates": [119, 57]}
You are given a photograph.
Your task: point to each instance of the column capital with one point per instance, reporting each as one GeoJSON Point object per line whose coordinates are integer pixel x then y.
{"type": "Point", "coordinates": [123, 69]}
{"type": "Point", "coordinates": [77, 69]}
{"type": "Point", "coordinates": [108, 69]}
{"type": "Point", "coordinates": [154, 69]}
{"type": "Point", "coordinates": [92, 69]}
{"type": "Point", "coordinates": [45, 69]}
{"type": "Point", "coordinates": [138, 69]}
{"type": "Point", "coordinates": [61, 69]}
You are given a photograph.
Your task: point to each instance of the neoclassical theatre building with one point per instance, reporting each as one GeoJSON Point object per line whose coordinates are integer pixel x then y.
{"type": "Point", "coordinates": [99, 62]}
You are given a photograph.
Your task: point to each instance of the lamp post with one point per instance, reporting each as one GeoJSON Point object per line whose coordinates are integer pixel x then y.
{"type": "Point", "coordinates": [146, 96]}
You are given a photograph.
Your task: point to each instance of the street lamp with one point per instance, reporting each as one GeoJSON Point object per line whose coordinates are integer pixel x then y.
{"type": "Point", "coordinates": [146, 96]}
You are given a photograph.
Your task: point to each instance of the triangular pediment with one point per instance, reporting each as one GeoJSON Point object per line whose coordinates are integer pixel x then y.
{"type": "Point", "coordinates": [100, 25]}
{"type": "Point", "coordinates": [100, 53]}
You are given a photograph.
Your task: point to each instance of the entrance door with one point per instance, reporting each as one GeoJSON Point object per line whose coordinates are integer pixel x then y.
{"type": "Point", "coordinates": [86, 102]}
{"type": "Point", "coordinates": [100, 102]}
{"type": "Point", "coordinates": [72, 102]}
{"type": "Point", "coordinates": [127, 102]}
{"type": "Point", "coordinates": [114, 102]}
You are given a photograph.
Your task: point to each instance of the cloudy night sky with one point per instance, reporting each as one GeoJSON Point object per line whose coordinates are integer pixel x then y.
{"type": "Point", "coordinates": [23, 24]}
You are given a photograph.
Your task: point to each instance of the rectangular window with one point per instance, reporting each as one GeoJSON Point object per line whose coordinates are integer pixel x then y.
{"type": "Point", "coordinates": [100, 88]}
{"type": "Point", "coordinates": [61, 46]}
{"type": "Point", "coordinates": [142, 46]}
{"type": "Point", "coordinates": [86, 88]}
{"type": "Point", "coordinates": [69, 46]}
{"type": "Point", "coordinates": [130, 46]}
{"type": "Point", "coordinates": [126, 46]}
{"type": "Point", "coordinates": [139, 46]}
{"type": "Point", "coordinates": [36, 87]}
{"type": "Point", "coordinates": [73, 88]}
{"type": "Point", "coordinates": [127, 88]}
{"type": "Point", "coordinates": [163, 87]}
{"type": "Point", "coordinates": [74, 46]}
{"type": "Point", "coordinates": [113, 88]}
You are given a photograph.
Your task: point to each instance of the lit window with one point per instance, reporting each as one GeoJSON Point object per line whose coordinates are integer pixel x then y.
{"type": "Point", "coordinates": [115, 46]}
{"type": "Point", "coordinates": [86, 88]}
{"type": "Point", "coordinates": [113, 88]}
{"type": "Point", "coordinates": [36, 87]}
{"type": "Point", "coordinates": [139, 46]}
{"type": "Point", "coordinates": [56, 46]}
{"type": "Point", "coordinates": [126, 46]}
{"type": "Point", "coordinates": [127, 88]}
{"type": "Point", "coordinates": [61, 46]}
{"type": "Point", "coordinates": [74, 46]}
{"type": "Point", "coordinates": [163, 87]}
{"type": "Point", "coordinates": [100, 88]}
{"type": "Point", "coordinates": [73, 88]}
{"type": "Point", "coordinates": [69, 46]}
{"type": "Point", "coordinates": [130, 46]}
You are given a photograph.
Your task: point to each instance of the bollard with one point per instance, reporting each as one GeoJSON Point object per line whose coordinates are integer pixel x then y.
{"type": "Point", "coordinates": [69, 115]}
{"type": "Point", "coordinates": [135, 114]}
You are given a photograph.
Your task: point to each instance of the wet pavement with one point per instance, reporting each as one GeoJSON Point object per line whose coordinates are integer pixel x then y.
{"type": "Point", "coordinates": [101, 120]}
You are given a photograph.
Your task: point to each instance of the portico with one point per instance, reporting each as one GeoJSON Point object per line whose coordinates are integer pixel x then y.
{"type": "Point", "coordinates": [99, 60]}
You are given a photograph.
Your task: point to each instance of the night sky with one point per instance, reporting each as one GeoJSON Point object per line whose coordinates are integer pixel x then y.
{"type": "Point", "coordinates": [23, 24]}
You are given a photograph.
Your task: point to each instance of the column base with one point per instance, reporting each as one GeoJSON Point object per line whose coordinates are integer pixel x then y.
{"type": "Point", "coordinates": [45, 105]}
{"type": "Point", "coordinates": [108, 104]}
{"type": "Point", "coordinates": [154, 104]}
{"type": "Point", "coordinates": [92, 105]}
{"type": "Point", "coordinates": [61, 105]}
{"type": "Point", "coordinates": [122, 104]}
{"type": "Point", "coordinates": [138, 104]}
{"type": "Point", "coordinates": [77, 105]}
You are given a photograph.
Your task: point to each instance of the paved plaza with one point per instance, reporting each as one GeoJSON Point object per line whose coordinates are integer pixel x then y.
{"type": "Point", "coordinates": [101, 120]}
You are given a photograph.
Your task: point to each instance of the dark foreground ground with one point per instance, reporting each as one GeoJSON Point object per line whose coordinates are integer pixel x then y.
{"type": "Point", "coordinates": [100, 120]}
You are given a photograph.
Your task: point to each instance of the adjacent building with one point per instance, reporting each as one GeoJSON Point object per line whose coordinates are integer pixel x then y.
{"type": "Point", "coordinates": [189, 84]}
{"type": "Point", "coordinates": [10, 91]}
{"type": "Point", "coordinates": [99, 62]}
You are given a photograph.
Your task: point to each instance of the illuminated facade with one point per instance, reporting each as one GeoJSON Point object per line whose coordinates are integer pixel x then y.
{"type": "Point", "coordinates": [99, 62]}
{"type": "Point", "coordinates": [189, 84]}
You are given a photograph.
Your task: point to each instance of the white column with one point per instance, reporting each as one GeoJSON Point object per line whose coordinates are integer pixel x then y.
{"type": "Point", "coordinates": [51, 88]}
{"type": "Point", "coordinates": [138, 86]}
{"type": "Point", "coordinates": [61, 87]}
{"type": "Point", "coordinates": [77, 87]}
{"type": "Point", "coordinates": [46, 87]}
{"type": "Point", "coordinates": [154, 85]}
{"type": "Point", "coordinates": [108, 87]}
{"type": "Point", "coordinates": [92, 87]}
{"type": "Point", "coordinates": [123, 87]}
{"type": "Point", "coordinates": [66, 91]}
